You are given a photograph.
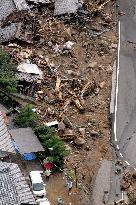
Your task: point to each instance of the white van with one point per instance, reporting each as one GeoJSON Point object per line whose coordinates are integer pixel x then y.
{"type": "Point", "coordinates": [38, 186]}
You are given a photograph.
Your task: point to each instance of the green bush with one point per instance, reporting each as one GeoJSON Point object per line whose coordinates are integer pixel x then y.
{"type": "Point", "coordinates": [43, 130]}
{"type": "Point", "coordinates": [53, 145]}
{"type": "Point", "coordinates": [26, 117]}
{"type": "Point", "coordinates": [8, 81]}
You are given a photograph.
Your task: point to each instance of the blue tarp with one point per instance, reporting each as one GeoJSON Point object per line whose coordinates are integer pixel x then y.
{"type": "Point", "coordinates": [29, 156]}
{"type": "Point", "coordinates": [26, 156]}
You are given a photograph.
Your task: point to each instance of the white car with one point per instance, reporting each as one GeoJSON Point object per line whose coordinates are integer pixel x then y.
{"type": "Point", "coordinates": [43, 201]}
{"type": "Point", "coordinates": [38, 186]}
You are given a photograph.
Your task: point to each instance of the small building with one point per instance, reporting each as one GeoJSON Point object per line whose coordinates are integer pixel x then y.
{"type": "Point", "coordinates": [13, 188]}
{"type": "Point", "coordinates": [26, 142]}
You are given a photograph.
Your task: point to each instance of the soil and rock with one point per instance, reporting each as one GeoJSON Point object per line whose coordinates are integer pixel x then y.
{"type": "Point", "coordinates": [76, 54]}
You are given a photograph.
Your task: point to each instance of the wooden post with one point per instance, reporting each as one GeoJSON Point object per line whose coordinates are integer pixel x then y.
{"type": "Point", "coordinates": [76, 175]}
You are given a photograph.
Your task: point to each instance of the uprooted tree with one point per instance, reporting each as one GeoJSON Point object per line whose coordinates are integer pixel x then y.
{"type": "Point", "coordinates": [54, 147]}
{"type": "Point", "coordinates": [8, 81]}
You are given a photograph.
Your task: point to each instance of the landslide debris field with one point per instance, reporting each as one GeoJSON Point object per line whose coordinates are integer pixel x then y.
{"type": "Point", "coordinates": [76, 54]}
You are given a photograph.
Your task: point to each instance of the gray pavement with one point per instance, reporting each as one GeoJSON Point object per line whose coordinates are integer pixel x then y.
{"type": "Point", "coordinates": [102, 182]}
{"type": "Point", "coordinates": [126, 101]}
{"type": "Point", "coordinates": [126, 108]}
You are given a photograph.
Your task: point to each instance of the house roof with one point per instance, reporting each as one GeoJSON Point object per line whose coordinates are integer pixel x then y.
{"type": "Point", "coordinates": [6, 8]}
{"type": "Point", "coordinates": [21, 4]}
{"type": "Point", "coordinates": [13, 188]}
{"type": "Point", "coordinates": [5, 138]}
{"type": "Point", "coordinates": [3, 109]}
{"type": "Point", "coordinates": [26, 140]}
{"type": "Point", "coordinates": [67, 6]}
{"type": "Point", "coordinates": [8, 32]}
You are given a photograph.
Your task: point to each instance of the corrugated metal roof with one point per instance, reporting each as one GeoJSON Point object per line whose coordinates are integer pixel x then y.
{"type": "Point", "coordinates": [5, 138]}
{"type": "Point", "coordinates": [26, 140]}
{"type": "Point", "coordinates": [13, 188]}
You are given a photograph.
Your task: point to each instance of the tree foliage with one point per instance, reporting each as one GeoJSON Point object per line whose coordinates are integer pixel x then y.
{"type": "Point", "coordinates": [7, 73]}
{"type": "Point", "coordinates": [26, 117]}
{"type": "Point", "coordinates": [53, 145]}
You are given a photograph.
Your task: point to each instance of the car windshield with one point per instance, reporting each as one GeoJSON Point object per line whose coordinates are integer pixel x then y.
{"type": "Point", "coordinates": [38, 187]}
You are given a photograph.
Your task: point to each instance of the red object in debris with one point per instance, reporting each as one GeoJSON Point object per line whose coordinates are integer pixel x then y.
{"type": "Point", "coordinates": [48, 165]}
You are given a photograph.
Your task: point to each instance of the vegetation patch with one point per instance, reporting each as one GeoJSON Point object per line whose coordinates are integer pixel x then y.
{"type": "Point", "coordinates": [8, 81]}
{"type": "Point", "coordinates": [55, 150]}
{"type": "Point", "coordinates": [27, 117]}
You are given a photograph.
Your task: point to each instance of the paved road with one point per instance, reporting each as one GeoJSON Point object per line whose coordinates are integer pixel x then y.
{"type": "Point", "coordinates": [126, 106]}
{"type": "Point", "coordinates": [126, 98]}
{"type": "Point", "coordinates": [102, 183]}
{"type": "Point", "coordinates": [126, 103]}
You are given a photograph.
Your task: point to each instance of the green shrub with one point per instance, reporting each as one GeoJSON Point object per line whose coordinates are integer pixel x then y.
{"type": "Point", "coordinates": [54, 147]}
{"type": "Point", "coordinates": [8, 81]}
{"type": "Point", "coordinates": [26, 117]}
{"type": "Point", "coordinates": [43, 130]}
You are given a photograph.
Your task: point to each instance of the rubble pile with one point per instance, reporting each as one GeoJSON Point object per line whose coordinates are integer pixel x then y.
{"type": "Point", "coordinates": [128, 185]}
{"type": "Point", "coordinates": [127, 180]}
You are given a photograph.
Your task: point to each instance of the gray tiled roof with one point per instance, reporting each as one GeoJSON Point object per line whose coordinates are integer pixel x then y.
{"type": "Point", "coordinates": [5, 138]}
{"type": "Point", "coordinates": [13, 188]}
{"type": "Point", "coordinates": [6, 8]}
{"type": "Point", "coordinates": [8, 32]}
{"type": "Point", "coordinates": [67, 6]}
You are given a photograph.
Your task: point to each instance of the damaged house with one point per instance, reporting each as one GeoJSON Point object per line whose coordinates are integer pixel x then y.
{"type": "Point", "coordinates": [12, 30]}
{"type": "Point", "coordinates": [29, 76]}
{"type": "Point", "coordinates": [14, 13]}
